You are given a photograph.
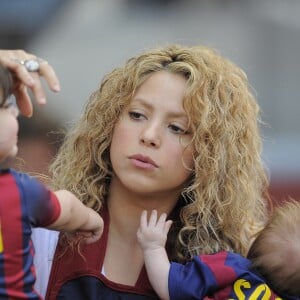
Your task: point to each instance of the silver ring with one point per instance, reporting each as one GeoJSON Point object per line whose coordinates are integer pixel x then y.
{"type": "Point", "coordinates": [31, 65]}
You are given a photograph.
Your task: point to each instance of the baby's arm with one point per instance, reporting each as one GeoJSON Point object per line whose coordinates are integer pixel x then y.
{"type": "Point", "coordinates": [152, 237]}
{"type": "Point", "coordinates": [74, 215]}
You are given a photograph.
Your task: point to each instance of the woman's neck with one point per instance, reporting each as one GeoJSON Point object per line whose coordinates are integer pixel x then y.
{"type": "Point", "coordinates": [124, 258]}
{"type": "Point", "coordinates": [125, 208]}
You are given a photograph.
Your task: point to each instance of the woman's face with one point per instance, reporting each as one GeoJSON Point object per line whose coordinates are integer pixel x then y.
{"type": "Point", "coordinates": [150, 151]}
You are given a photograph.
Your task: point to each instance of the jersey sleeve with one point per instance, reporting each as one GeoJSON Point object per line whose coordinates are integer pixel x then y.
{"type": "Point", "coordinates": [41, 204]}
{"type": "Point", "coordinates": [193, 280]}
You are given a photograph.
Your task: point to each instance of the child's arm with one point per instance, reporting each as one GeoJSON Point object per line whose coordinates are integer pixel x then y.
{"type": "Point", "coordinates": [152, 237]}
{"type": "Point", "coordinates": [75, 215]}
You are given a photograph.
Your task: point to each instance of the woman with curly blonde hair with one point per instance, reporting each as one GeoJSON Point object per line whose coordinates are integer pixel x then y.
{"type": "Point", "coordinates": [175, 129]}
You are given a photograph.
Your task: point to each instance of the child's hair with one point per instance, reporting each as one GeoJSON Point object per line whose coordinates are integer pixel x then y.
{"type": "Point", "coordinates": [6, 84]}
{"type": "Point", "coordinates": [223, 204]}
{"type": "Point", "coordinates": [275, 253]}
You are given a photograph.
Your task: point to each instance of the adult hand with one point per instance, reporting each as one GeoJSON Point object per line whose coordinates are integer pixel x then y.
{"type": "Point", "coordinates": [24, 78]}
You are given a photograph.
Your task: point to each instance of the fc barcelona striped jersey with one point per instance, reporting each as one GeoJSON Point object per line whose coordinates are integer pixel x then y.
{"type": "Point", "coordinates": [24, 203]}
{"type": "Point", "coordinates": [223, 275]}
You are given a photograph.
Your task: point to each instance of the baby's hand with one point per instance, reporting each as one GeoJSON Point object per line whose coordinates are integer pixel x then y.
{"type": "Point", "coordinates": [91, 232]}
{"type": "Point", "coordinates": [152, 234]}
{"type": "Point", "coordinates": [87, 237]}
{"type": "Point", "coordinates": [90, 237]}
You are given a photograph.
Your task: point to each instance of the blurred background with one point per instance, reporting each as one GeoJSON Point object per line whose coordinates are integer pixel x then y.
{"type": "Point", "coordinates": [83, 40]}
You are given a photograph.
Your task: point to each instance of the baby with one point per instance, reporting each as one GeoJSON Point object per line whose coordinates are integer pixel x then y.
{"type": "Point", "coordinates": [27, 203]}
{"type": "Point", "coordinates": [273, 262]}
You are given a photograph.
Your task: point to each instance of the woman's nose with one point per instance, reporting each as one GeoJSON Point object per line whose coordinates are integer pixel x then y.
{"type": "Point", "coordinates": [151, 136]}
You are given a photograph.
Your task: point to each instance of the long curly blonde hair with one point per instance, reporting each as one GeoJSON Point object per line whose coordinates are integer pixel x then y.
{"type": "Point", "coordinates": [224, 204]}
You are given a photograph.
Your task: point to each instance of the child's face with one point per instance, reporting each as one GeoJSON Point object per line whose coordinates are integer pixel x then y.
{"type": "Point", "coordinates": [150, 150]}
{"type": "Point", "coordinates": [9, 128]}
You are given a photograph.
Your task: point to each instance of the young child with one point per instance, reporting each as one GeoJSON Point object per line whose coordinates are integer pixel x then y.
{"type": "Point", "coordinates": [280, 266]}
{"type": "Point", "coordinates": [273, 262]}
{"type": "Point", "coordinates": [26, 203]}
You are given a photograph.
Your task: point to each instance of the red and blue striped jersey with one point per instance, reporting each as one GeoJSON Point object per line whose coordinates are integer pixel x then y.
{"type": "Point", "coordinates": [219, 276]}
{"type": "Point", "coordinates": [24, 203]}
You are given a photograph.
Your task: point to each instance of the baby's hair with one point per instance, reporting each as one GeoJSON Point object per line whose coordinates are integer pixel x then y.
{"type": "Point", "coordinates": [224, 201]}
{"type": "Point", "coordinates": [6, 83]}
{"type": "Point", "coordinates": [275, 253]}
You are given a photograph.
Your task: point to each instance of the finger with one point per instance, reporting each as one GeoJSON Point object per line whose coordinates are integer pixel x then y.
{"type": "Point", "coordinates": [153, 218]}
{"type": "Point", "coordinates": [38, 90]}
{"type": "Point", "coordinates": [22, 79]}
{"type": "Point", "coordinates": [48, 73]}
{"type": "Point", "coordinates": [167, 226]}
{"type": "Point", "coordinates": [26, 77]}
{"type": "Point", "coordinates": [9, 60]}
{"type": "Point", "coordinates": [95, 236]}
{"type": "Point", "coordinates": [143, 220]}
{"type": "Point", "coordinates": [17, 62]}
{"type": "Point", "coordinates": [20, 73]}
{"type": "Point", "coordinates": [161, 221]}
{"type": "Point", "coordinates": [23, 100]}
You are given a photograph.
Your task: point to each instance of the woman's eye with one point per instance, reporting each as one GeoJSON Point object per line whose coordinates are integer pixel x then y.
{"type": "Point", "coordinates": [177, 129]}
{"type": "Point", "coordinates": [135, 115]}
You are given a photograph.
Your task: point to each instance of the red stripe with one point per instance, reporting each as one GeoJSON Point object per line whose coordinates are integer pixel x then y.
{"type": "Point", "coordinates": [215, 263]}
{"type": "Point", "coordinates": [12, 234]}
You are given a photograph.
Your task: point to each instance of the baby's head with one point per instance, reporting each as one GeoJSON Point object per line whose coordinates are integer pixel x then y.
{"type": "Point", "coordinates": [275, 253]}
{"type": "Point", "coordinates": [8, 118]}
{"type": "Point", "coordinates": [6, 84]}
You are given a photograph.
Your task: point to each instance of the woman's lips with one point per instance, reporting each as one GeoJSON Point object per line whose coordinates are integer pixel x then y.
{"type": "Point", "coordinates": [142, 161]}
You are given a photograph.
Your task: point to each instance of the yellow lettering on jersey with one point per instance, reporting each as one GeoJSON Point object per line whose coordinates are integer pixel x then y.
{"type": "Point", "coordinates": [262, 289]}
{"type": "Point", "coordinates": [1, 240]}
{"type": "Point", "coordinates": [238, 286]}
